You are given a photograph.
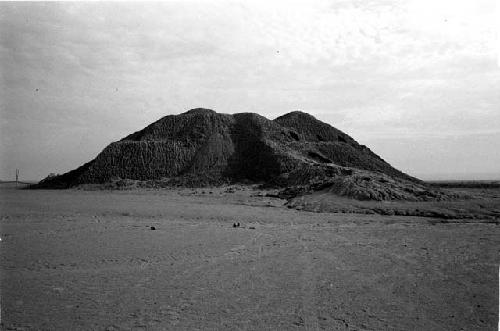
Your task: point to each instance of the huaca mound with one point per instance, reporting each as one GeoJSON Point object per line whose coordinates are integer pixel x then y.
{"type": "Point", "coordinates": [296, 152]}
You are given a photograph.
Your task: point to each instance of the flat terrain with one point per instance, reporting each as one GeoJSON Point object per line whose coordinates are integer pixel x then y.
{"type": "Point", "coordinates": [88, 260]}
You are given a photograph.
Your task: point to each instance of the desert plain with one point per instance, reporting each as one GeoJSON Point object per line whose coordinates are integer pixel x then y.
{"type": "Point", "coordinates": [172, 259]}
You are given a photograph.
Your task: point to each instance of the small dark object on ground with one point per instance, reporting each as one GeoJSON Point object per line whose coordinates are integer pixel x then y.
{"type": "Point", "coordinates": [236, 225]}
{"type": "Point", "coordinates": [251, 227]}
{"type": "Point", "coordinates": [153, 228]}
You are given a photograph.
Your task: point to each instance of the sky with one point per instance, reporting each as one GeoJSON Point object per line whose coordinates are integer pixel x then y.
{"type": "Point", "coordinates": [417, 81]}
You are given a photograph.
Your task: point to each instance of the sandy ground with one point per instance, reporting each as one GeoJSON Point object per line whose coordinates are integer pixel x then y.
{"type": "Point", "coordinates": [88, 260]}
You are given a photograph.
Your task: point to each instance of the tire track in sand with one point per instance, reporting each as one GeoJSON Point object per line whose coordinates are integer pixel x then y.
{"type": "Point", "coordinates": [308, 281]}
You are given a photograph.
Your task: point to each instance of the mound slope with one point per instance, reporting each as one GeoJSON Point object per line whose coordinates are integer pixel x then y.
{"type": "Point", "coordinates": [201, 147]}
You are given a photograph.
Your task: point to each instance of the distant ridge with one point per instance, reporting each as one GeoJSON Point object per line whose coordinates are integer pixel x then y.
{"type": "Point", "coordinates": [201, 147]}
{"type": "Point", "coordinates": [14, 182]}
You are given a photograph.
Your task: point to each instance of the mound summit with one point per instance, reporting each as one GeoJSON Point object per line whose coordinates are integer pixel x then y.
{"type": "Point", "coordinates": [201, 147]}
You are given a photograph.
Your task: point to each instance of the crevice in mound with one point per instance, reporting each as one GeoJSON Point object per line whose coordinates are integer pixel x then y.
{"type": "Point", "coordinates": [252, 159]}
{"type": "Point", "coordinates": [294, 135]}
{"type": "Point", "coordinates": [318, 157]}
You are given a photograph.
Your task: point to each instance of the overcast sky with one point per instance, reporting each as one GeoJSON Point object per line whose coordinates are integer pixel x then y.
{"type": "Point", "coordinates": [417, 81]}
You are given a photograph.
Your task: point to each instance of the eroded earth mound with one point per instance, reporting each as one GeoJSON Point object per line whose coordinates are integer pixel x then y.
{"type": "Point", "coordinates": [295, 151]}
